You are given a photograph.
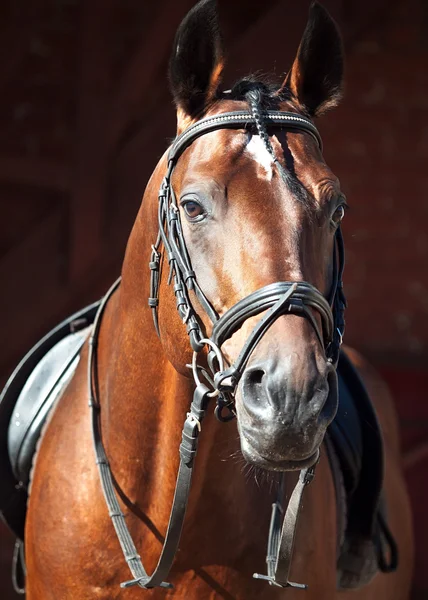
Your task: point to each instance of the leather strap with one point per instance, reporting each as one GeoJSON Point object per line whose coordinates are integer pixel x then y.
{"type": "Point", "coordinates": [281, 538]}
{"type": "Point", "coordinates": [267, 296]}
{"type": "Point", "coordinates": [245, 120]}
{"type": "Point", "coordinates": [282, 298]}
{"type": "Point", "coordinates": [19, 568]}
{"type": "Point", "coordinates": [188, 448]}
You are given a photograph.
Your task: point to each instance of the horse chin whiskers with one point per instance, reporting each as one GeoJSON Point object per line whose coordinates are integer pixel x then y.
{"type": "Point", "coordinates": [271, 460]}
{"type": "Point", "coordinates": [262, 477]}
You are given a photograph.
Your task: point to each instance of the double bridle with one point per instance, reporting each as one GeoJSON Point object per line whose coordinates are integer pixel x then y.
{"type": "Point", "coordinates": [220, 380]}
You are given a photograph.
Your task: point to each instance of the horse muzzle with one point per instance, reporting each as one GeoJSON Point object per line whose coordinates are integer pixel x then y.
{"type": "Point", "coordinates": [282, 418]}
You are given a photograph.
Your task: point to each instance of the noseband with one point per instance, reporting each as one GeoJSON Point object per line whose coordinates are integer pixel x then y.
{"type": "Point", "coordinates": [298, 298]}
{"type": "Point", "coordinates": [275, 299]}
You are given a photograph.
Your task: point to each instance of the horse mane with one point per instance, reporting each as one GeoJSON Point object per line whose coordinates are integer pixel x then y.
{"type": "Point", "coordinates": [262, 88]}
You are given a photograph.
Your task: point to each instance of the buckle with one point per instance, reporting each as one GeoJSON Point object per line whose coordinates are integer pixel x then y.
{"type": "Point", "coordinates": [273, 581]}
{"type": "Point", "coordinates": [141, 581]}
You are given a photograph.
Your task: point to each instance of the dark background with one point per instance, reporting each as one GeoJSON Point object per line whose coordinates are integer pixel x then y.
{"type": "Point", "coordinates": [85, 114]}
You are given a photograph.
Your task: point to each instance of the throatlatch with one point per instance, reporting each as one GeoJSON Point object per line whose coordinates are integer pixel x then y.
{"type": "Point", "coordinates": [221, 380]}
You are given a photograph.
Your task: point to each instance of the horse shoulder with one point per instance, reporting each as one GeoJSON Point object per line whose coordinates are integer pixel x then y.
{"type": "Point", "coordinates": [63, 496]}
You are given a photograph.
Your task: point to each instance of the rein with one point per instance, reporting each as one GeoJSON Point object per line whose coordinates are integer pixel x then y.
{"type": "Point", "coordinates": [280, 298]}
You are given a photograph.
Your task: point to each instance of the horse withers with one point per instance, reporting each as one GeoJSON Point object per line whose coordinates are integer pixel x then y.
{"type": "Point", "coordinates": [240, 223]}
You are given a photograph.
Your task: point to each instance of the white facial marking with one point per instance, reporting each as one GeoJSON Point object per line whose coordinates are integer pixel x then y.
{"type": "Point", "coordinates": [257, 148]}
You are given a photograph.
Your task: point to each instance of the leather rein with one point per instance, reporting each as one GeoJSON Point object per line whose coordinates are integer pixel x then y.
{"type": "Point", "coordinates": [220, 381]}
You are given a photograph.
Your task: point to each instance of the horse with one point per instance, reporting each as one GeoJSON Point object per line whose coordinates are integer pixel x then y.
{"type": "Point", "coordinates": [240, 223]}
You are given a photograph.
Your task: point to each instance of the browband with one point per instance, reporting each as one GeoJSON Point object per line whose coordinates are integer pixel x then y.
{"type": "Point", "coordinates": [241, 119]}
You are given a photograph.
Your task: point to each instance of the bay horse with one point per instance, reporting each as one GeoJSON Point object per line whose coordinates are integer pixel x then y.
{"type": "Point", "coordinates": [243, 233]}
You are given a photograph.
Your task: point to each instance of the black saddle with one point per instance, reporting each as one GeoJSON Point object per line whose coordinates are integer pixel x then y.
{"type": "Point", "coordinates": [357, 444]}
{"type": "Point", "coordinates": [39, 379]}
{"type": "Point", "coordinates": [25, 403]}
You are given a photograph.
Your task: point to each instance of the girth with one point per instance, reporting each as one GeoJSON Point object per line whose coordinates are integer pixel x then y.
{"type": "Point", "coordinates": [275, 300]}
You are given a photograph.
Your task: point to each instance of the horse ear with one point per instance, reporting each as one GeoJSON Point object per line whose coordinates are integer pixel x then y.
{"type": "Point", "coordinates": [316, 77]}
{"type": "Point", "coordinates": [196, 63]}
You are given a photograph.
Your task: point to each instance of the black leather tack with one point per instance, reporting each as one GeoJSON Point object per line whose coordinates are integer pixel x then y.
{"type": "Point", "coordinates": [78, 325]}
{"type": "Point", "coordinates": [189, 441]}
{"type": "Point", "coordinates": [192, 325]}
{"type": "Point", "coordinates": [188, 274]}
{"type": "Point", "coordinates": [200, 397]}
{"type": "Point", "coordinates": [195, 343]}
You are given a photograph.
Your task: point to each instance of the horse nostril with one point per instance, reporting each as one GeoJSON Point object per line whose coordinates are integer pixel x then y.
{"type": "Point", "coordinates": [254, 377]}
{"type": "Point", "coordinates": [253, 393]}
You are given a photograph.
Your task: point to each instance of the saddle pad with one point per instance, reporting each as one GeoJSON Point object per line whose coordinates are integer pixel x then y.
{"type": "Point", "coordinates": [358, 447]}
{"type": "Point", "coordinates": [14, 470]}
{"type": "Point", "coordinates": [346, 432]}
{"type": "Point", "coordinates": [357, 439]}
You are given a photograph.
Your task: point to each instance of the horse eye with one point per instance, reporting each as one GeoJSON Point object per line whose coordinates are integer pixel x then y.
{"type": "Point", "coordinates": [193, 209]}
{"type": "Point", "coordinates": [338, 215]}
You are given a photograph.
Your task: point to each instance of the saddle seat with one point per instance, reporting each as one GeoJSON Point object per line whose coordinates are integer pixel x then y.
{"type": "Point", "coordinates": [354, 436]}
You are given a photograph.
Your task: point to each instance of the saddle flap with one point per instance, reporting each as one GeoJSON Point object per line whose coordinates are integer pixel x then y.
{"type": "Point", "coordinates": [358, 446]}
{"type": "Point", "coordinates": [357, 439]}
{"type": "Point", "coordinates": [346, 434]}
{"type": "Point", "coordinates": [36, 399]}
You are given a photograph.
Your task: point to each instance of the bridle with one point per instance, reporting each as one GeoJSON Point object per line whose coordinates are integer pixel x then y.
{"type": "Point", "coordinates": [279, 298]}
{"type": "Point", "coordinates": [220, 381]}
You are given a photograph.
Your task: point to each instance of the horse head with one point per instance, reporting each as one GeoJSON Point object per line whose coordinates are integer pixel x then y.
{"type": "Point", "coordinates": [258, 206]}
